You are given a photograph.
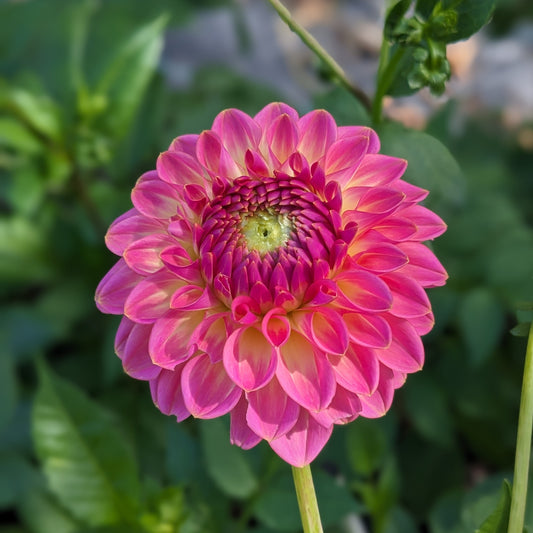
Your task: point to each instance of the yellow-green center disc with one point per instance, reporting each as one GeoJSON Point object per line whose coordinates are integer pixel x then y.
{"type": "Point", "coordinates": [265, 231]}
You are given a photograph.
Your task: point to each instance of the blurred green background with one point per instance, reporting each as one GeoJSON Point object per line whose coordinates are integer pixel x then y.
{"type": "Point", "coordinates": [86, 104]}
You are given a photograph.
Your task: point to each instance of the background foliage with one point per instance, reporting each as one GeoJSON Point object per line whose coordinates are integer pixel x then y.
{"type": "Point", "coordinates": [83, 112]}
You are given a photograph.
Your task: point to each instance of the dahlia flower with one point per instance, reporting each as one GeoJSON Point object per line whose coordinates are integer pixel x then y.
{"type": "Point", "coordinates": [273, 268]}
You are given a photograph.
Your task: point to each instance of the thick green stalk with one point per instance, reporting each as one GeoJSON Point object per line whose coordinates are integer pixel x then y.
{"type": "Point", "coordinates": [317, 49]}
{"type": "Point", "coordinates": [307, 503]}
{"type": "Point", "coordinates": [523, 444]}
{"type": "Point", "coordinates": [387, 70]}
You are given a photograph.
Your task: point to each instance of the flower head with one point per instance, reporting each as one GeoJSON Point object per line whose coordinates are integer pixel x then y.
{"type": "Point", "coordinates": [273, 268]}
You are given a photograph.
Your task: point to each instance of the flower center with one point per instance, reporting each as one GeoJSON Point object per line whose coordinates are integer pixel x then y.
{"type": "Point", "coordinates": [265, 231]}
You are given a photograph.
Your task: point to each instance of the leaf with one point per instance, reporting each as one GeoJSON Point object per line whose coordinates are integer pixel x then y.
{"type": "Point", "coordinates": [17, 477]}
{"type": "Point", "coordinates": [521, 330]}
{"type": "Point", "coordinates": [472, 15]}
{"type": "Point", "coordinates": [481, 323]}
{"type": "Point", "coordinates": [89, 466]}
{"type": "Point", "coordinates": [498, 520]}
{"type": "Point", "coordinates": [367, 446]}
{"type": "Point", "coordinates": [34, 108]}
{"type": "Point", "coordinates": [14, 134]}
{"type": "Point", "coordinates": [346, 109]}
{"type": "Point", "coordinates": [226, 464]}
{"type": "Point", "coordinates": [481, 501]}
{"type": "Point", "coordinates": [394, 17]}
{"type": "Point", "coordinates": [22, 251]}
{"type": "Point", "coordinates": [127, 76]}
{"type": "Point", "coordinates": [430, 164]}
{"type": "Point", "coordinates": [428, 410]}
{"type": "Point", "coordinates": [8, 387]}
{"type": "Point", "coordinates": [42, 514]}
{"type": "Point", "coordinates": [276, 506]}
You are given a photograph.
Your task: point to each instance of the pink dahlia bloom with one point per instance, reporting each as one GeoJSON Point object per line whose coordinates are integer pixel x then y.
{"type": "Point", "coordinates": [273, 268]}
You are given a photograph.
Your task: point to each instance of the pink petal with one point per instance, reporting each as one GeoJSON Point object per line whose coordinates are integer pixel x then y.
{"type": "Point", "coordinates": [363, 291]}
{"type": "Point", "coordinates": [192, 298]}
{"type": "Point", "coordinates": [344, 157]}
{"type": "Point", "coordinates": [150, 298]}
{"type": "Point", "coordinates": [249, 359]}
{"type": "Point", "coordinates": [115, 287]}
{"type": "Point", "coordinates": [382, 258]}
{"type": "Point", "coordinates": [379, 402]}
{"type": "Point", "coordinates": [130, 227]}
{"type": "Point", "coordinates": [240, 434]}
{"type": "Point", "coordinates": [377, 170]}
{"type": "Point", "coordinates": [272, 111]}
{"type": "Point", "coordinates": [167, 394]}
{"type": "Point", "coordinates": [344, 132]}
{"type": "Point", "coordinates": [185, 143]}
{"type": "Point", "coordinates": [368, 329]}
{"type": "Point", "coordinates": [207, 390]}
{"type": "Point", "coordinates": [406, 352]}
{"type": "Point", "coordinates": [344, 408]}
{"type": "Point", "coordinates": [170, 342]}
{"type": "Point", "coordinates": [143, 255]}
{"type": "Point", "coordinates": [305, 374]}
{"type": "Point", "coordinates": [271, 413]}
{"type": "Point", "coordinates": [282, 137]}
{"type": "Point", "coordinates": [372, 200]}
{"type": "Point", "coordinates": [177, 259]}
{"type": "Point", "coordinates": [428, 224]}
{"type": "Point", "coordinates": [210, 336]}
{"type": "Point", "coordinates": [276, 327]}
{"type": "Point", "coordinates": [154, 198]}
{"type": "Point", "coordinates": [318, 132]}
{"type": "Point", "coordinates": [215, 158]}
{"type": "Point", "coordinates": [303, 442]}
{"type": "Point", "coordinates": [238, 133]}
{"type": "Point", "coordinates": [131, 345]}
{"type": "Point", "coordinates": [180, 169]}
{"type": "Point", "coordinates": [325, 327]}
{"type": "Point", "coordinates": [408, 298]}
{"type": "Point", "coordinates": [357, 370]}
{"type": "Point", "coordinates": [423, 324]}
{"type": "Point", "coordinates": [395, 228]}
{"type": "Point", "coordinates": [423, 266]}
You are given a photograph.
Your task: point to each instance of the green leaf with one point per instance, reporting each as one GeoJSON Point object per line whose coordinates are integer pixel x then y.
{"type": "Point", "coordinates": [89, 466]}
{"type": "Point", "coordinates": [367, 446]}
{"type": "Point", "coordinates": [521, 330]}
{"type": "Point", "coordinates": [498, 520]}
{"type": "Point", "coordinates": [14, 134]}
{"type": "Point", "coordinates": [42, 514]}
{"type": "Point", "coordinates": [472, 15]}
{"type": "Point", "coordinates": [16, 479]}
{"type": "Point", "coordinates": [8, 387]}
{"type": "Point", "coordinates": [428, 410]}
{"type": "Point", "coordinates": [430, 164]}
{"type": "Point", "coordinates": [481, 322]}
{"type": "Point", "coordinates": [34, 108]}
{"type": "Point", "coordinates": [226, 464]}
{"type": "Point", "coordinates": [276, 506]}
{"type": "Point", "coordinates": [128, 74]}
{"type": "Point", "coordinates": [395, 16]}
{"type": "Point", "coordinates": [481, 501]}
{"type": "Point", "coordinates": [22, 251]}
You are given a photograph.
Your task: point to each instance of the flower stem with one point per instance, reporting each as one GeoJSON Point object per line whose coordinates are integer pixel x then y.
{"type": "Point", "coordinates": [523, 444]}
{"type": "Point", "coordinates": [317, 49]}
{"type": "Point", "coordinates": [387, 71]}
{"type": "Point", "coordinates": [307, 503]}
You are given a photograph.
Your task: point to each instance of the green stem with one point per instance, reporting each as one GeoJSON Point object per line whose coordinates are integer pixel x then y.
{"type": "Point", "coordinates": [317, 49]}
{"type": "Point", "coordinates": [523, 444]}
{"type": "Point", "coordinates": [387, 71]}
{"type": "Point", "coordinates": [307, 503]}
